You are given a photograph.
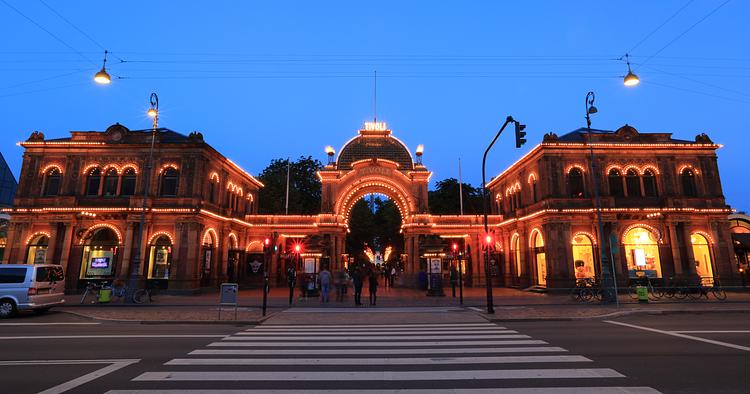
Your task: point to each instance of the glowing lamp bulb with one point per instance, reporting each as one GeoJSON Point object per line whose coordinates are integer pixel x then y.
{"type": "Point", "coordinates": [267, 241]}
{"type": "Point", "coordinates": [297, 248]}
{"type": "Point", "coordinates": [455, 247]}
{"type": "Point", "coordinates": [329, 150]}
{"type": "Point", "coordinates": [631, 79]}
{"type": "Point", "coordinates": [102, 77]}
{"type": "Point", "coordinates": [151, 113]}
{"type": "Point", "coordinates": [420, 149]}
{"type": "Point", "coordinates": [488, 239]}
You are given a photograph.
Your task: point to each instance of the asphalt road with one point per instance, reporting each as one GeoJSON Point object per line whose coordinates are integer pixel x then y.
{"type": "Point", "coordinates": [638, 354]}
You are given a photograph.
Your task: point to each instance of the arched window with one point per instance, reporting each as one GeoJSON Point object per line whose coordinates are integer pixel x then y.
{"type": "Point", "coordinates": [169, 182]}
{"type": "Point", "coordinates": [540, 257]}
{"type": "Point", "coordinates": [211, 191]}
{"type": "Point", "coordinates": [688, 183]}
{"type": "Point", "coordinates": [515, 247]}
{"type": "Point", "coordinates": [52, 181]}
{"type": "Point", "coordinates": [128, 183]}
{"type": "Point", "coordinates": [93, 180]}
{"type": "Point", "coordinates": [575, 182]}
{"type": "Point", "coordinates": [633, 183]}
{"type": "Point", "coordinates": [642, 253]}
{"type": "Point", "coordinates": [110, 183]}
{"type": "Point", "coordinates": [159, 258]}
{"type": "Point", "coordinates": [36, 250]}
{"type": "Point", "coordinates": [702, 255]}
{"type": "Point", "coordinates": [100, 255]}
{"type": "Point", "coordinates": [583, 256]}
{"type": "Point", "coordinates": [615, 183]}
{"type": "Point", "coordinates": [533, 190]}
{"type": "Point", "coordinates": [649, 183]}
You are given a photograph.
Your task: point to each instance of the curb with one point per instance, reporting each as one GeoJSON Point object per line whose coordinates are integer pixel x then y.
{"type": "Point", "coordinates": [614, 314]}
{"type": "Point", "coordinates": [158, 322]}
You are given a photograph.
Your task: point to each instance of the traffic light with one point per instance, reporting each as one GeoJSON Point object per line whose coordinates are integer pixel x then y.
{"type": "Point", "coordinates": [266, 245]}
{"type": "Point", "coordinates": [455, 247]}
{"type": "Point", "coordinates": [520, 134]}
{"type": "Point", "coordinates": [297, 248]}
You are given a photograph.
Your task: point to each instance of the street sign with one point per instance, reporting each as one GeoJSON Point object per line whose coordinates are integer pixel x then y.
{"type": "Point", "coordinates": [228, 297]}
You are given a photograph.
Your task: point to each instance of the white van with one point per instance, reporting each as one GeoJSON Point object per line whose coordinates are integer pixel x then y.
{"type": "Point", "coordinates": [30, 287]}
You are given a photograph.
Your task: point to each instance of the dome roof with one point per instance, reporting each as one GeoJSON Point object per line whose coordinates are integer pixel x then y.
{"type": "Point", "coordinates": [375, 145]}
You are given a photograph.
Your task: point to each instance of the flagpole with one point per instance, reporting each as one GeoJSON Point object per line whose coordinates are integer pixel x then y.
{"type": "Point", "coordinates": [460, 188]}
{"type": "Point", "coordinates": [286, 208]}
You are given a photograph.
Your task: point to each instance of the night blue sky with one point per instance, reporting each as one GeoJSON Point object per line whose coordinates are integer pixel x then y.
{"type": "Point", "coordinates": [277, 79]}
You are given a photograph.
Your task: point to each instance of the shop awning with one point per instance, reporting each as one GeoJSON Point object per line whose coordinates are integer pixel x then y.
{"type": "Point", "coordinates": [741, 240]}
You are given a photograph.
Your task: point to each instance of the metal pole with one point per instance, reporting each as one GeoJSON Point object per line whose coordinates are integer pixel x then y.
{"type": "Point", "coordinates": [485, 204]}
{"type": "Point", "coordinates": [135, 267]}
{"type": "Point", "coordinates": [460, 282]}
{"type": "Point", "coordinates": [607, 271]}
{"type": "Point", "coordinates": [288, 166]}
{"type": "Point", "coordinates": [266, 256]}
{"type": "Point", "coordinates": [460, 188]}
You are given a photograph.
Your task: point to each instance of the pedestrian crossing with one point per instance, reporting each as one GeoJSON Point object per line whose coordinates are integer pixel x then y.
{"type": "Point", "coordinates": [469, 358]}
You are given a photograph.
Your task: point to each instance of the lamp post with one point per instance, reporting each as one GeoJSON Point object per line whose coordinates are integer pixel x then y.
{"type": "Point", "coordinates": [135, 269]}
{"type": "Point", "coordinates": [485, 204]}
{"type": "Point", "coordinates": [607, 270]}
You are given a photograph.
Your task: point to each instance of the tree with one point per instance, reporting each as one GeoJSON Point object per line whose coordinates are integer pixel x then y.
{"type": "Point", "coordinates": [444, 200]}
{"type": "Point", "coordinates": [304, 187]}
{"type": "Point", "coordinates": [361, 228]}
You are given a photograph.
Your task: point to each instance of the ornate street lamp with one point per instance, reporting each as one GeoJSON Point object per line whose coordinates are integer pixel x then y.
{"type": "Point", "coordinates": [330, 152]}
{"type": "Point", "coordinates": [607, 270]}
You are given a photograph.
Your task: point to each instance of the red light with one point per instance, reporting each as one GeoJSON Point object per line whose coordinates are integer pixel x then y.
{"type": "Point", "coordinates": [297, 248]}
{"type": "Point", "coordinates": [267, 241]}
{"type": "Point", "coordinates": [455, 247]}
{"type": "Point", "coordinates": [488, 239]}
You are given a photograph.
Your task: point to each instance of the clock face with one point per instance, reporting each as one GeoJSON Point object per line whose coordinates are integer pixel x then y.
{"type": "Point", "coordinates": [116, 136]}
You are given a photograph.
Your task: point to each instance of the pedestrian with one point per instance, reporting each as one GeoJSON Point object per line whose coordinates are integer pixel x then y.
{"type": "Point", "coordinates": [325, 284]}
{"type": "Point", "coordinates": [357, 278]}
{"type": "Point", "coordinates": [386, 276]}
{"type": "Point", "coordinates": [373, 288]}
{"type": "Point", "coordinates": [291, 278]}
{"type": "Point", "coordinates": [393, 275]}
{"type": "Point", "coordinates": [454, 279]}
{"type": "Point", "coordinates": [340, 282]}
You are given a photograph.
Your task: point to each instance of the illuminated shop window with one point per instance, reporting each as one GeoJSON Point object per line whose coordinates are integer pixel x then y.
{"type": "Point", "coordinates": [583, 256]}
{"type": "Point", "coordinates": [99, 255]}
{"type": "Point", "coordinates": [159, 258]}
{"type": "Point", "coordinates": [642, 253]}
{"type": "Point", "coordinates": [36, 251]}
{"type": "Point", "coordinates": [702, 255]}
{"type": "Point", "coordinates": [52, 180]}
{"type": "Point", "coordinates": [515, 247]}
{"type": "Point", "coordinates": [649, 184]}
{"type": "Point", "coordinates": [540, 257]}
{"type": "Point", "coordinates": [128, 183]}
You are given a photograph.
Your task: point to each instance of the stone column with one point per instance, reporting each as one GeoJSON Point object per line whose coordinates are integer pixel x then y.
{"type": "Point", "coordinates": [127, 251]}
{"type": "Point", "coordinates": [65, 246]}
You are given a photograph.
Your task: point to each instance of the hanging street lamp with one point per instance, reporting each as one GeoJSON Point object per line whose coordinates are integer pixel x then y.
{"type": "Point", "coordinates": [102, 77]}
{"type": "Point", "coordinates": [630, 79]}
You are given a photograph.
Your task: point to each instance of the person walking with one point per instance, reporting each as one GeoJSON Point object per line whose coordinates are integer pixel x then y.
{"type": "Point", "coordinates": [291, 279]}
{"type": "Point", "coordinates": [454, 279]}
{"type": "Point", "coordinates": [393, 275]}
{"type": "Point", "coordinates": [357, 279]}
{"type": "Point", "coordinates": [386, 276]}
{"type": "Point", "coordinates": [373, 288]}
{"type": "Point", "coordinates": [325, 284]}
{"type": "Point", "coordinates": [340, 283]}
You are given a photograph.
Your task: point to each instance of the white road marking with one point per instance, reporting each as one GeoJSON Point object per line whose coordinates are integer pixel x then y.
{"type": "Point", "coordinates": [359, 352]}
{"type": "Point", "coordinates": [378, 344]}
{"type": "Point", "coordinates": [114, 365]}
{"type": "Point", "coordinates": [50, 324]}
{"type": "Point", "coordinates": [676, 334]}
{"type": "Point", "coordinates": [518, 390]}
{"type": "Point", "coordinates": [126, 336]}
{"type": "Point", "coordinates": [371, 332]}
{"type": "Point", "coordinates": [323, 326]}
{"type": "Point", "coordinates": [205, 376]}
{"type": "Point", "coordinates": [371, 338]}
{"type": "Point", "coordinates": [713, 332]}
{"type": "Point", "coordinates": [378, 361]}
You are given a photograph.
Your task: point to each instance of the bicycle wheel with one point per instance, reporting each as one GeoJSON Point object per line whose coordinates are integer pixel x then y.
{"type": "Point", "coordinates": [140, 296]}
{"type": "Point", "coordinates": [586, 294]}
{"type": "Point", "coordinates": [694, 293]}
{"type": "Point", "coordinates": [719, 293]}
{"type": "Point", "coordinates": [680, 293]}
{"type": "Point", "coordinates": [659, 292]}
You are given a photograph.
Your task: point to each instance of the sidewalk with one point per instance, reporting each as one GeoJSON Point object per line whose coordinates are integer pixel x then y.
{"type": "Point", "coordinates": [510, 304]}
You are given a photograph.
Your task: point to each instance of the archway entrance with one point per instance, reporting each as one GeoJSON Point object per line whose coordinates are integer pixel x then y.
{"type": "Point", "coordinates": [375, 237]}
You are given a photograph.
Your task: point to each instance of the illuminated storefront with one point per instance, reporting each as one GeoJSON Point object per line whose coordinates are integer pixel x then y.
{"type": "Point", "coordinates": [540, 257]}
{"type": "Point", "coordinates": [702, 254]}
{"type": "Point", "coordinates": [100, 254]}
{"type": "Point", "coordinates": [36, 252]}
{"type": "Point", "coordinates": [642, 253]}
{"type": "Point", "coordinates": [583, 256]}
{"type": "Point", "coordinates": [160, 257]}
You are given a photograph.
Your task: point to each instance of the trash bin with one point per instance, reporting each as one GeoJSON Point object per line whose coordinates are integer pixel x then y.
{"type": "Point", "coordinates": [642, 292]}
{"type": "Point", "coordinates": [105, 295]}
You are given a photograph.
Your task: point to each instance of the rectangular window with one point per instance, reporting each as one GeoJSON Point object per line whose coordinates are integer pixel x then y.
{"type": "Point", "coordinates": [110, 186]}
{"type": "Point", "coordinates": [12, 275]}
{"type": "Point", "coordinates": [128, 186]}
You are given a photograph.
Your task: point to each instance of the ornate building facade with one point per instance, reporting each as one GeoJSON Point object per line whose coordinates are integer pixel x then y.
{"type": "Point", "coordinates": [81, 201]}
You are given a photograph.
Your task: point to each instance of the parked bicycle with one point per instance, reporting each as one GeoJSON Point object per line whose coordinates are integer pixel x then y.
{"type": "Point", "coordinates": [676, 289]}
{"type": "Point", "coordinates": [146, 294]}
{"type": "Point", "coordinates": [587, 289]}
{"type": "Point", "coordinates": [92, 290]}
{"type": "Point", "coordinates": [704, 286]}
{"type": "Point", "coordinates": [655, 293]}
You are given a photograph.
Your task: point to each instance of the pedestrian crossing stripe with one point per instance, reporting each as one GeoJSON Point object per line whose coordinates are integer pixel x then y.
{"type": "Point", "coordinates": [370, 332]}
{"type": "Point", "coordinates": [514, 390]}
{"type": "Point", "coordinates": [359, 352]}
{"type": "Point", "coordinates": [364, 344]}
{"type": "Point", "coordinates": [379, 361]}
{"type": "Point", "coordinates": [371, 338]}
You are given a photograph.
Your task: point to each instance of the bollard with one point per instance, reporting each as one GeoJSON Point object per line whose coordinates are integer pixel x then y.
{"type": "Point", "coordinates": [642, 292]}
